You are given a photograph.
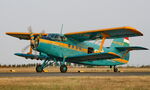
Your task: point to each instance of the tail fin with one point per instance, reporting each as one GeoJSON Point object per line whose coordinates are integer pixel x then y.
{"type": "Point", "coordinates": [121, 47]}
{"type": "Point", "coordinates": [121, 42]}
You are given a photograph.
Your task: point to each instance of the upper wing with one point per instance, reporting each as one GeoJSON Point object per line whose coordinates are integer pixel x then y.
{"type": "Point", "coordinates": [20, 35]}
{"type": "Point", "coordinates": [92, 57]}
{"type": "Point", "coordinates": [111, 33]}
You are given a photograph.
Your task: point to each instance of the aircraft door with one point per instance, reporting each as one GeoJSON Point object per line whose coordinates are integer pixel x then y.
{"type": "Point", "coordinates": [90, 50]}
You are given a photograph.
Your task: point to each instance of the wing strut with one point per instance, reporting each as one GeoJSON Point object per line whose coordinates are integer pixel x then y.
{"type": "Point", "coordinates": [30, 52]}
{"type": "Point", "coordinates": [103, 40]}
{"type": "Point", "coordinates": [125, 53]}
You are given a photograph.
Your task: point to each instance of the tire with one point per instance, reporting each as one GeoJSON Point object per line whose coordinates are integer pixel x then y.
{"type": "Point", "coordinates": [116, 70]}
{"type": "Point", "coordinates": [63, 68]}
{"type": "Point", "coordinates": [39, 68]}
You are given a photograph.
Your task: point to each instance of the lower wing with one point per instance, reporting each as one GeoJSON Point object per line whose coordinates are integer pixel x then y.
{"type": "Point", "coordinates": [31, 56]}
{"type": "Point", "coordinates": [92, 57]}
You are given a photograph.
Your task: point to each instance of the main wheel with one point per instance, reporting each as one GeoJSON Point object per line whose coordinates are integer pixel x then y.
{"type": "Point", "coordinates": [39, 68]}
{"type": "Point", "coordinates": [63, 68]}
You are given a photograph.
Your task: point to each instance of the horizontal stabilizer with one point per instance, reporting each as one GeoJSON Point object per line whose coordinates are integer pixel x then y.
{"type": "Point", "coordinates": [31, 56]}
{"type": "Point", "coordinates": [92, 57]}
{"type": "Point", "coordinates": [131, 48]}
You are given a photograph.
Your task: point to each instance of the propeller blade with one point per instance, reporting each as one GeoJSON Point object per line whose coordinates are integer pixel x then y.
{"type": "Point", "coordinates": [40, 35]}
{"type": "Point", "coordinates": [30, 29]}
{"type": "Point", "coordinates": [43, 31]}
{"type": "Point", "coordinates": [25, 48]}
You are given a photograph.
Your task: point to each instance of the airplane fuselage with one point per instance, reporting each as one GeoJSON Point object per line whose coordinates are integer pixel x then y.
{"type": "Point", "coordinates": [59, 49]}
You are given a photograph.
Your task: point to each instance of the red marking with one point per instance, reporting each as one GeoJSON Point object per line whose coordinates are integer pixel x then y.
{"type": "Point", "coordinates": [126, 38]}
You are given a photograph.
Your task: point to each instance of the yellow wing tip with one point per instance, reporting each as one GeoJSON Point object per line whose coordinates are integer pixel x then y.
{"type": "Point", "coordinates": [134, 30]}
{"type": "Point", "coordinates": [128, 27]}
{"type": "Point", "coordinates": [6, 32]}
{"type": "Point", "coordinates": [16, 33]}
{"type": "Point", "coordinates": [9, 33]}
{"type": "Point", "coordinates": [24, 33]}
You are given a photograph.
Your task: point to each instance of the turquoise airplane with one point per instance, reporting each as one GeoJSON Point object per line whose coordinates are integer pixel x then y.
{"type": "Point", "coordinates": [76, 47]}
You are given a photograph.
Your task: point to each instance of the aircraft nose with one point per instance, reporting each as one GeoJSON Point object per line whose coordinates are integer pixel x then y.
{"type": "Point", "coordinates": [34, 44]}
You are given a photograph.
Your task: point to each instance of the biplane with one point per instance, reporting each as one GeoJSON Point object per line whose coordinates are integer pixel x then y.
{"type": "Point", "coordinates": [76, 47]}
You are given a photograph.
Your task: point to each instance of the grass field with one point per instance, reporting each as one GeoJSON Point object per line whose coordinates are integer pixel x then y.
{"type": "Point", "coordinates": [74, 69]}
{"type": "Point", "coordinates": [76, 83]}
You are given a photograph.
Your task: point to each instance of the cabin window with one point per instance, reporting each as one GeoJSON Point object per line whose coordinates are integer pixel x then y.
{"type": "Point", "coordinates": [76, 47]}
{"type": "Point", "coordinates": [80, 48]}
{"type": "Point", "coordinates": [72, 46]}
{"type": "Point", "coordinates": [69, 45]}
{"type": "Point", "coordinates": [63, 38]}
{"type": "Point", "coordinates": [55, 37]}
{"type": "Point", "coordinates": [90, 50]}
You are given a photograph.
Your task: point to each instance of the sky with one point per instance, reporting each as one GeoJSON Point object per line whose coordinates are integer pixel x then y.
{"type": "Point", "coordinates": [75, 15]}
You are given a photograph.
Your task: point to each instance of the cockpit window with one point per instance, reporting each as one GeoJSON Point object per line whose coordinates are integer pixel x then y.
{"type": "Point", "coordinates": [58, 38]}
{"type": "Point", "coordinates": [55, 37]}
{"type": "Point", "coordinates": [63, 38]}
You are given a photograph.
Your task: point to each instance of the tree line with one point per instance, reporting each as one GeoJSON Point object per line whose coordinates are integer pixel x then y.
{"type": "Point", "coordinates": [68, 64]}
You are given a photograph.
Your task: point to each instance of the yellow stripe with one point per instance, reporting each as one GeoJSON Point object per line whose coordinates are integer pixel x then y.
{"type": "Point", "coordinates": [113, 53]}
{"type": "Point", "coordinates": [62, 45]}
{"type": "Point", "coordinates": [120, 60]}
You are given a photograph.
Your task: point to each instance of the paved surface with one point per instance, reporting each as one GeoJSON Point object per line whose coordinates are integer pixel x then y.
{"type": "Point", "coordinates": [15, 74]}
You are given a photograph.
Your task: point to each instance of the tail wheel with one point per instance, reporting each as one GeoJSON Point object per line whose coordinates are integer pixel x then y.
{"type": "Point", "coordinates": [39, 68]}
{"type": "Point", "coordinates": [116, 69]}
{"type": "Point", "coordinates": [63, 68]}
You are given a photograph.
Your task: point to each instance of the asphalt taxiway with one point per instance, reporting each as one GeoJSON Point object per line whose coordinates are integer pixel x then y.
{"type": "Point", "coordinates": [32, 74]}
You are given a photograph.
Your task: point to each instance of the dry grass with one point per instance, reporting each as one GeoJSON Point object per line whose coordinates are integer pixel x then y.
{"type": "Point", "coordinates": [75, 69]}
{"type": "Point", "coordinates": [76, 83]}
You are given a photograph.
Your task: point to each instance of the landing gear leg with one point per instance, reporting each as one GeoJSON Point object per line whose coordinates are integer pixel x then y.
{"type": "Point", "coordinates": [116, 69]}
{"type": "Point", "coordinates": [63, 67]}
{"type": "Point", "coordinates": [110, 66]}
{"type": "Point", "coordinates": [40, 68]}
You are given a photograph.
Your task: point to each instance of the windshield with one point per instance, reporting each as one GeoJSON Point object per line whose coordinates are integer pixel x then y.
{"type": "Point", "coordinates": [55, 37]}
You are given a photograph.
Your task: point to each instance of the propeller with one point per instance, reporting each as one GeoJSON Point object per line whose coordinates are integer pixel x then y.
{"type": "Point", "coordinates": [61, 29]}
{"type": "Point", "coordinates": [34, 40]}
{"type": "Point", "coordinates": [31, 39]}
{"type": "Point", "coordinates": [25, 48]}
